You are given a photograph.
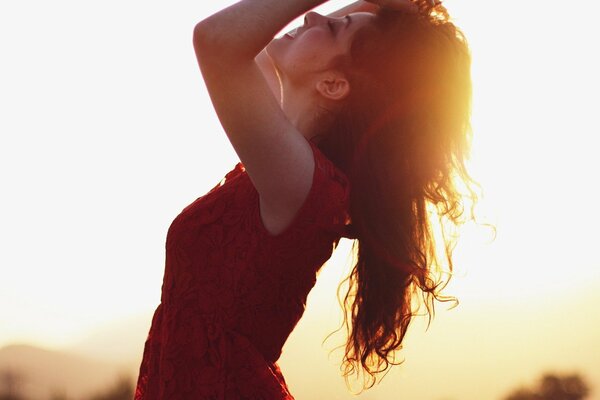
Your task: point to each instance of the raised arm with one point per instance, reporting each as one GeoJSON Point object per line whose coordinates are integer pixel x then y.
{"type": "Point", "coordinates": [357, 6]}
{"type": "Point", "coordinates": [277, 157]}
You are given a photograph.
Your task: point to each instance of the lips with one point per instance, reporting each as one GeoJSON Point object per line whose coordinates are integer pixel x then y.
{"type": "Point", "coordinates": [293, 33]}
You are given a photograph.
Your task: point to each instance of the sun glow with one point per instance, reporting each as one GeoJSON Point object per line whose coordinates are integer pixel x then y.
{"type": "Point", "coordinates": [112, 134]}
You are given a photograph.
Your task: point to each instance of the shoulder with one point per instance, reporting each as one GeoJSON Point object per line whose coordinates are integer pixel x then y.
{"type": "Point", "coordinates": [328, 167]}
{"type": "Point", "coordinates": [325, 205]}
{"type": "Point", "coordinates": [328, 178]}
{"type": "Point", "coordinates": [331, 188]}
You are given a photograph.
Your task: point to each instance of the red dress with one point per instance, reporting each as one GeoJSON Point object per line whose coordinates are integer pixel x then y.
{"type": "Point", "coordinates": [232, 292]}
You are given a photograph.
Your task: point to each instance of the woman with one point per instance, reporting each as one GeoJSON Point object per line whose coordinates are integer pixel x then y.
{"type": "Point", "coordinates": [353, 125]}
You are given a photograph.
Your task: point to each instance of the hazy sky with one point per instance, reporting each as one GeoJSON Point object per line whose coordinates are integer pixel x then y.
{"type": "Point", "coordinates": [106, 133]}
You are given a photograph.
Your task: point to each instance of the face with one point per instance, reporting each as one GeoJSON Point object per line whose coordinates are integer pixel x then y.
{"type": "Point", "coordinates": [312, 47]}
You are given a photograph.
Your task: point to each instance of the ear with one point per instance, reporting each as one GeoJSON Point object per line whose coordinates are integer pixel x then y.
{"type": "Point", "coordinates": [333, 87]}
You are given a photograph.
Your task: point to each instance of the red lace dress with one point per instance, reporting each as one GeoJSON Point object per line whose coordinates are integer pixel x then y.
{"type": "Point", "coordinates": [232, 292]}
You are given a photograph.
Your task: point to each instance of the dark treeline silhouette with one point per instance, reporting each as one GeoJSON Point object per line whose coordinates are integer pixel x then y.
{"type": "Point", "coordinates": [554, 387]}
{"type": "Point", "coordinates": [10, 385]}
{"type": "Point", "coordinates": [549, 387]}
{"type": "Point", "coordinates": [122, 390]}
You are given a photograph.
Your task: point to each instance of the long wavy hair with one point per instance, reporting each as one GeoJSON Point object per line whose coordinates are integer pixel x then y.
{"type": "Point", "coordinates": [402, 137]}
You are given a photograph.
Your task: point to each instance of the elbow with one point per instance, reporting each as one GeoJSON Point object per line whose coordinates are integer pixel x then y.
{"type": "Point", "coordinates": [202, 39]}
{"type": "Point", "coordinates": [211, 45]}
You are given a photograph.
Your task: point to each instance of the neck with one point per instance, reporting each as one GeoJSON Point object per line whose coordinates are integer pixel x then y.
{"type": "Point", "coordinates": [300, 113]}
{"type": "Point", "coordinates": [297, 103]}
{"type": "Point", "coordinates": [303, 110]}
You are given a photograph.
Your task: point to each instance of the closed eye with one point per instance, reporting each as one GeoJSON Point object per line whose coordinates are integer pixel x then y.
{"type": "Point", "coordinates": [331, 27]}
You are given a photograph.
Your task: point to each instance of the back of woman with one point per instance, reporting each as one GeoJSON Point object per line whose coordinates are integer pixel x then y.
{"type": "Point", "coordinates": [233, 292]}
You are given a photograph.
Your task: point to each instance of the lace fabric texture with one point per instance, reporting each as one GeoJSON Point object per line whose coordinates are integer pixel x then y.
{"type": "Point", "coordinates": [232, 293]}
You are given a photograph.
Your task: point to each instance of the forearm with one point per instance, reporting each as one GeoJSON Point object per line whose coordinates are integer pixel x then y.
{"type": "Point", "coordinates": [357, 6]}
{"type": "Point", "coordinates": [242, 30]}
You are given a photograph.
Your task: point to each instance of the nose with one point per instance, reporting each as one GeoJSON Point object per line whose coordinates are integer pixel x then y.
{"type": "Point", "coordinates": [314, 18]}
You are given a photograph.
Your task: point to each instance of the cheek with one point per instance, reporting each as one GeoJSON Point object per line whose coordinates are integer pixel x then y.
{"type": "Point", "coordinates": [307, 53]}
{"type": "Point", "coordinates": [310, 54]}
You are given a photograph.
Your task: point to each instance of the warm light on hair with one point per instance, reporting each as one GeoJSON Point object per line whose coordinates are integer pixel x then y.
{"type": "Point", "coordinates": [402, 137]}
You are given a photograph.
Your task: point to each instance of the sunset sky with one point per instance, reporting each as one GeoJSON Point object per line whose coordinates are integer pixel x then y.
{"type": "Point", "coordinates": [107, 132]}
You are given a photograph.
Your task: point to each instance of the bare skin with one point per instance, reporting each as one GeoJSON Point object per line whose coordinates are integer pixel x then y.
{"type": "Point", "coordinates": [266, 63]}
{"type": "Point", "coordinates": [268, 124]}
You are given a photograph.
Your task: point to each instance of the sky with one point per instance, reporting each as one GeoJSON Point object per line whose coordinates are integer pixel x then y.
{"type": "Point", "coordinates": [107, 132]}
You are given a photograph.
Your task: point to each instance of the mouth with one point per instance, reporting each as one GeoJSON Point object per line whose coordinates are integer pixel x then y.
{"type": "Point", "coordinates": [293, 33]}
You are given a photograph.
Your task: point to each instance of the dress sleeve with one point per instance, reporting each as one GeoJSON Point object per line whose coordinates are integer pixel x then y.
{"type": "Point", "coordinates": [325, 208]}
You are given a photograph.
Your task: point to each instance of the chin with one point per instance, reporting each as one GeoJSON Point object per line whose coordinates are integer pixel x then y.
{"type": "Point", "coordinates": [275, 48]}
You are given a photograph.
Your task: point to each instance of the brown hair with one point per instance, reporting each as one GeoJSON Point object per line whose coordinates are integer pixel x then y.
{"type": "Point", "coordinates": [402, 138]}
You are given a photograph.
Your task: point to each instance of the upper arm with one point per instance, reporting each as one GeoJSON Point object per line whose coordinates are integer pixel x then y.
{"type": "Point", "coordinates": [276, 156]}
